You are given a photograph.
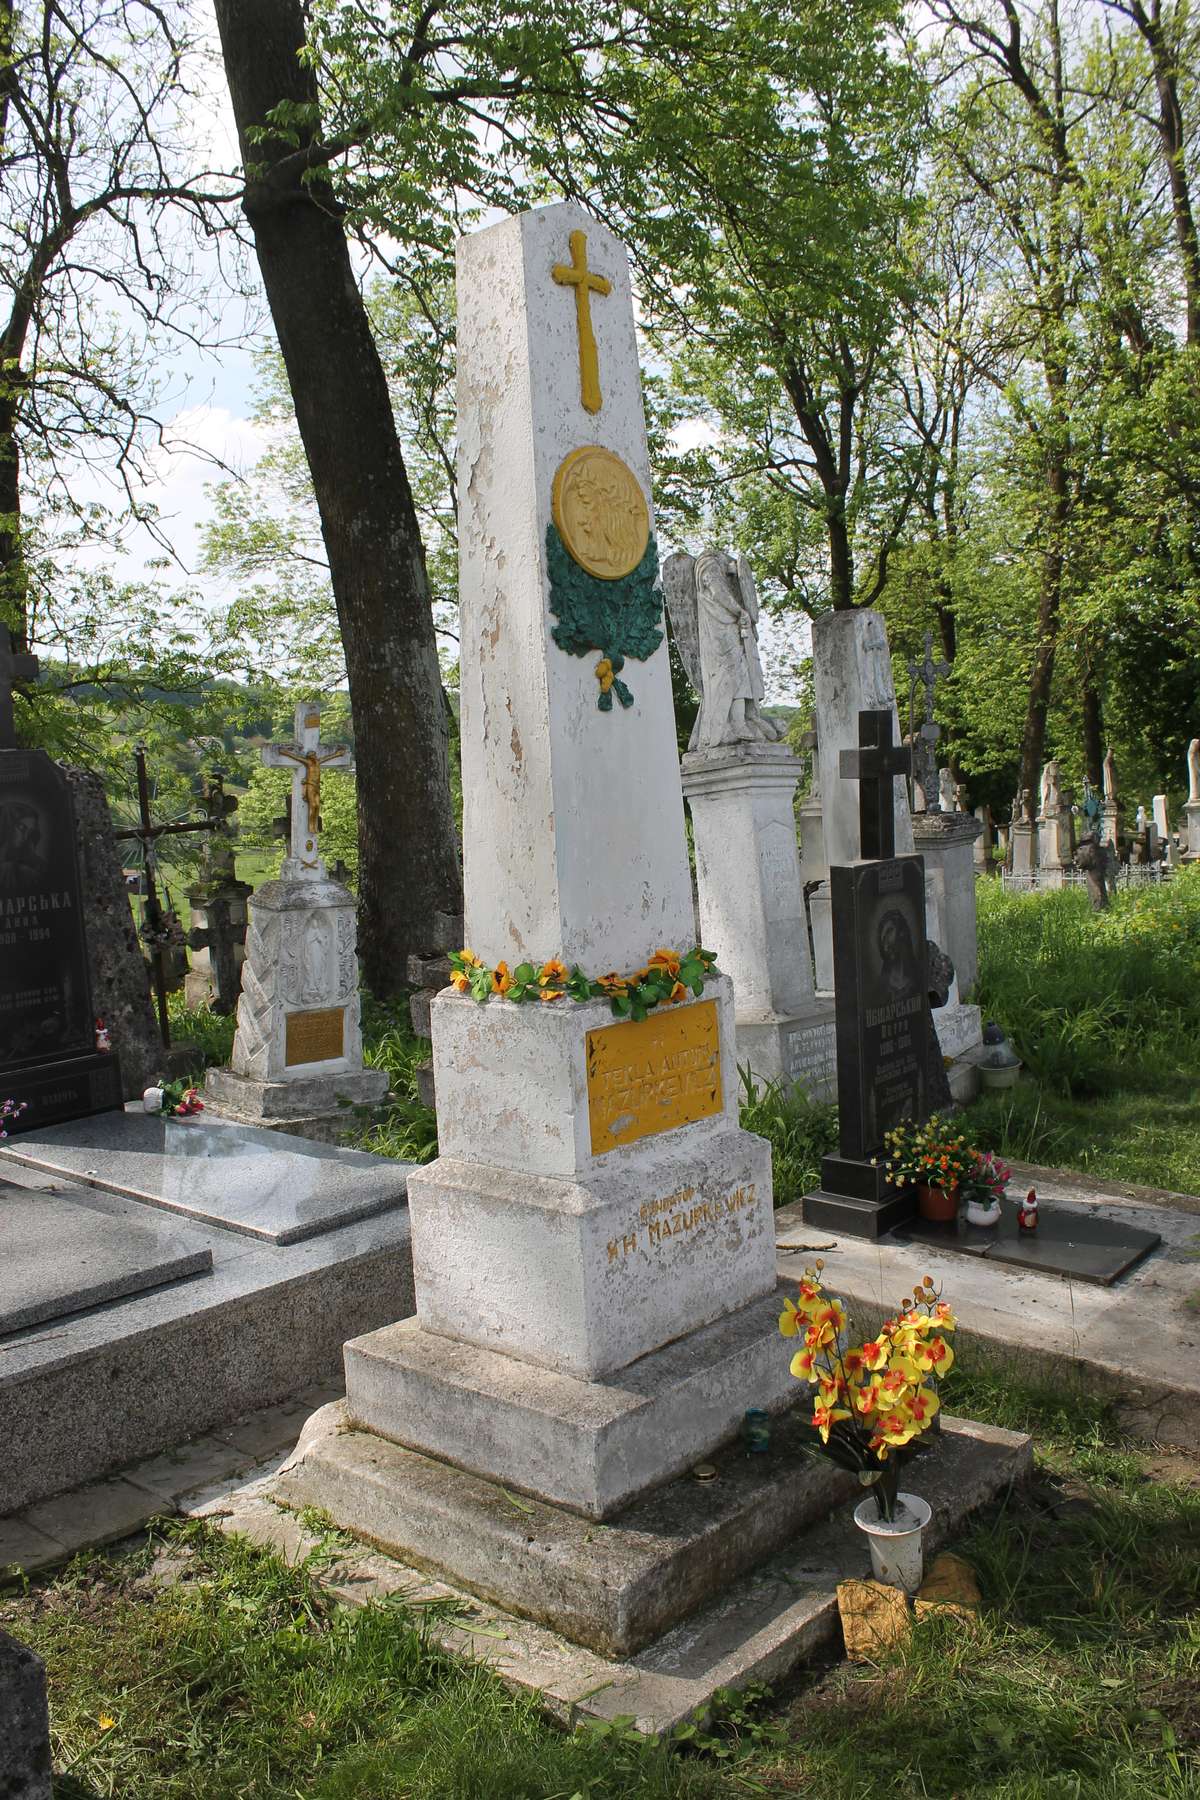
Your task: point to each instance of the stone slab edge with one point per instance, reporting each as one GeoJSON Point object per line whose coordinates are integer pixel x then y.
{"type": "Point", "coordinates": [767, 1622]}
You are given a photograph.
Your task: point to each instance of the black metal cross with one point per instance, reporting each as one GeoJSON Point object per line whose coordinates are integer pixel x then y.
{"type": "Point", "coordinates": [156, 922]}
{"type": "Point", "coordinates": [15, 665]}
{"type": "Point", "coordinates": [875, 765]}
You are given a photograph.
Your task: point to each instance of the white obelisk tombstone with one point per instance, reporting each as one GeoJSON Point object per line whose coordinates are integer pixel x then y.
{"type": "Point", "coordinates": [594, 1200]}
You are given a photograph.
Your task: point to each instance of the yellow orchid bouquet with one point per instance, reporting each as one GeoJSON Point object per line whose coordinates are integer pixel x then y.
{"type": "Point", "coordinates": [874, 1401]}
{"type": "Point", "coordinates": [669, 977]}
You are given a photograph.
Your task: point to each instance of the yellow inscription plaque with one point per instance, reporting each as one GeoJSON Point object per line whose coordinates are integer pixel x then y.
{"type": "Point", "coordinates": [653, 1075]}
{"type": "Point", "coordinates": [314, 1036]}
{"type": "Point", "coordinates": [601, 512]}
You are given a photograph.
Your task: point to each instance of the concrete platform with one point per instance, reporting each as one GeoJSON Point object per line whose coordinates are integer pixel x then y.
{"type": "Point", "coordinates": [1136, 1342]}
{"type": "Point", "coordinates": [590, 1446]}
{"type": "Point", "coordinates": [760, 1626]}
{"type": "Point", "coordinates": [87, 1393]}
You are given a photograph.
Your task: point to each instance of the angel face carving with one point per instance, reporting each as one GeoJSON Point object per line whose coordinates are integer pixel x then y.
{"type": "Point", "coordinates": [714, 614]}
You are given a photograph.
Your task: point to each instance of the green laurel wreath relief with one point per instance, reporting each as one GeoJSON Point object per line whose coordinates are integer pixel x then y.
{"type": "Point", "coordinates": [617, 618]}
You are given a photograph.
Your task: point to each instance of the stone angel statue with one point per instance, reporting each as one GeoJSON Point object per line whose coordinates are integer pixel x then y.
{"type": "Point", "coordinates": [713, 607]}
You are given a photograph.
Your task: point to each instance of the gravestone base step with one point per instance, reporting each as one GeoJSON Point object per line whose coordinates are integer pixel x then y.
{"type": "Point", "coordinates": [793, 1050]}
{"type": "Point", "coordinates": [590, 1446]}
{"type": "Point", "coordinates": [613, 1588]}
{"type": "Point", "coordinates": [73, 1088]}
{"type": "Point", "coordinates": [319, 1106]}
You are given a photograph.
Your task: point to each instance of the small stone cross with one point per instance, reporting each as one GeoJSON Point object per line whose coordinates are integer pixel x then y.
{"type": "Point", "coordinates": [15, 666]}
{"type": "Point", "coordinates": [309, 756]}
{"type": "Point", "coordinates": [875, 765]}
{"type": "Point", "coordinates": [586, 282]}
{"type": "Point", "coordinates": [925, 765]}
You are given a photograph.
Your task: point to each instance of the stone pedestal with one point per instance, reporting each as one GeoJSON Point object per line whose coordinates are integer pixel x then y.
{"type": "Point", "coordinates": [1022, 842]}
{"type": "Point", "coordinates": [947, 842]}
{"type": "Point", "coordinates": [1192, 814]}
{"type": "Point", "coordinates": [298, 1049]}
{"type": "Point", "coordinates": [1056, 853]}
{"type": "Point", "coordinates": [752, 910]}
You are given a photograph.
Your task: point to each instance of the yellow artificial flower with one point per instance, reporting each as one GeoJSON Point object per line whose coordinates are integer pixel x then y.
{"type": "Point", "coordinates": [866, 1398]}
{"type": "Point", "coordinates": [923, 1407]}
{"type": "Point", "coordinates": [469, 957]}
{"type": "Point", "coordinates": [934, 1357]}
{"type": "Point", "coordinates": [665, 960]}
{"type": "Point", "coordinates": [551, 971]}
{"type": "Point", "coordinates": [678, 993]}
{"type": "Point", "coordinates": [501, 979]}
{"type": "Point", "coordinates": [803, 1365]}
{"type": "Point", "coordinates": [458, 980]}
{"type": "Point", "coordinates": [792, 1320]}
{"type": "Point", "coordinates": [826, 1417]}
{"type": "Point", "coordinates": [548, 993]}
{"type": "Point", "coordinates": [875, 1354]}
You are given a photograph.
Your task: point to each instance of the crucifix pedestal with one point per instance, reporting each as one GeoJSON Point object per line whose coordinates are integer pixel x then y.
{"type": "Point", "coordinates": [297, 1054]}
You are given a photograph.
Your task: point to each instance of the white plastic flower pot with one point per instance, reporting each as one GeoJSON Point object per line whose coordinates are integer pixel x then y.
{"type": "Point", "coordinates": [980, 1214]}
{"type": "Point", "coordinates": [896, 1554]}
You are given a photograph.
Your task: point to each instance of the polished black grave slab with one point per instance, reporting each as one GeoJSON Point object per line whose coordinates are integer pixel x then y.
{"type": "Point", "coordinates": [1084, 1245]}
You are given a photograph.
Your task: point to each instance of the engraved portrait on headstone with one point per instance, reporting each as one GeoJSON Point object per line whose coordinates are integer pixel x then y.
{"type": "Point", "coordinates": [713, 606]}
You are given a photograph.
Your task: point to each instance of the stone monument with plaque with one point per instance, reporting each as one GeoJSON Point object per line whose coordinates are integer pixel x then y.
{"type": "Point", "coordinates": [297, 1055]}
{"type": "Point", "coordinates": [593, 1249]}
{"type": "Point", "coordinates": [740, 783]}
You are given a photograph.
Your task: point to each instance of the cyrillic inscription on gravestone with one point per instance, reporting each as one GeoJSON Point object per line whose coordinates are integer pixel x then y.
{"type": "Point", "coordinates": [882, 1000]}
{"type": "Point", "coordinates": [314, 1036]}
{"type": "Point", "coordinates": [45, 1002]}
{"type": "Point", "coordinates": [653, 1074]}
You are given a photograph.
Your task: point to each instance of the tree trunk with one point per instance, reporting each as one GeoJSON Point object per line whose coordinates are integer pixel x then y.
{"type": "Point", "coordinates": [13, 590]}
{"type": "Point", "coordinates": [408, 851]}
{"type": "Point", "coordinates": [841, 559]}
{"type": "Point", "coordinates": [1033, 741]}
{"type": "Point", "coordinates": [1093, 732]}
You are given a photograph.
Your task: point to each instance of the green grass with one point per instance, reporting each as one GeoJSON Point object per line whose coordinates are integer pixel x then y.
{"type": "Point", "coordinates": [1082, 1677]}
{"type": "Point", "coordinates": [1104, 1010]}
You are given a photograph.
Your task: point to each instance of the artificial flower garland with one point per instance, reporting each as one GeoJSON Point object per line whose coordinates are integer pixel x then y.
{"type": "Point", "coordinates": [668, 977]}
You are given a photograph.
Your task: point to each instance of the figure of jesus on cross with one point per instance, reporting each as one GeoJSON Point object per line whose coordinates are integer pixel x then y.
{"type": "Point", "coordinates": [309, 756]}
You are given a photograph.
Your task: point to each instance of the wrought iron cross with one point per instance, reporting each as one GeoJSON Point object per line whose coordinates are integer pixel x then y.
{"type": "Point", "coordinates": [15, 665]}
{"type": "Point", "coordinates": [875, 765]}
{"type": "Point", "coordinates": [156, 930]}
{"type": "Point", "coordinates": [925, 772]}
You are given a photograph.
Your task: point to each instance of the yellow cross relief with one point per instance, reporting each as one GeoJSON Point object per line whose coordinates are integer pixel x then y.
{"type": "Point", "coordinates": [576, 274]}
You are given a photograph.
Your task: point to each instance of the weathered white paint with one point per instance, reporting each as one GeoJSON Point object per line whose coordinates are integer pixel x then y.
{"type": "Point", "coordinates": [573, 818]}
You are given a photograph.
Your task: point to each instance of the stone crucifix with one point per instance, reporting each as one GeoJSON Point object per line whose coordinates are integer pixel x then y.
{"type": "Point", "coordinates": [308, 757]}
{"type": "Point", "coordinates": [586, 282]}
{"type": "Point", "coordinates": [15, 666]}
{"type": "Point", "coordinates": [925, 772]}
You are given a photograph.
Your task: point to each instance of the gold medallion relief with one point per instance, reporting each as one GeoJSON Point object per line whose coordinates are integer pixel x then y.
{"type": "Point", "coordinates": [600, 512]}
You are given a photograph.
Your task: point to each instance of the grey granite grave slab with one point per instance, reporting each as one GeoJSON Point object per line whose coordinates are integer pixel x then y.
{"type": "Point", "coordinates": [237, 1177]}
{"type": "Point", "coordinates": [1087, 1246]}
{"type": "Point", "coordinates": [24, 1723]}
{"type": "Point", "coordinates": [58, 1256]}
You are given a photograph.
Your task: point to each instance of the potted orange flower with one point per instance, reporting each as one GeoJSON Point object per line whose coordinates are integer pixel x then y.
{"type": "Point", "coordinates": [923, 1154]}
{"type": "Point", "coordinates": [873, 1405]}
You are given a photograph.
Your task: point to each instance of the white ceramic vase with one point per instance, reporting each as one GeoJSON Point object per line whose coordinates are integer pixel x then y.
{"type": "Point", "coordinates": [897, 1559]}
{"type": "Point", "coordinates": [983, 1213]}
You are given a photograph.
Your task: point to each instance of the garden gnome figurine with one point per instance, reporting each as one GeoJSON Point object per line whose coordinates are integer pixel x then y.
{"type": "Point", "coordinates": [1027, 1212]}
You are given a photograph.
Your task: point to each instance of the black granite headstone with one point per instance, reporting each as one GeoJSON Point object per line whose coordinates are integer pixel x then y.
{"type": "Point", "coordinates": [889, 1062]}
{"type": "Point", "coordinates": [48, 1056]}
{"type": "Point", "coordinates": [24, 1723]}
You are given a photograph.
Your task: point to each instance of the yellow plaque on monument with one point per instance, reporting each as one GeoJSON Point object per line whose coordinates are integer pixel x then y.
{"type": "Point", "coordinates": [654, 1074]}
{"type": "Point", "coordinates": [314, 1036]}
{"type": "Point", "coordinates": [601, 512]}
